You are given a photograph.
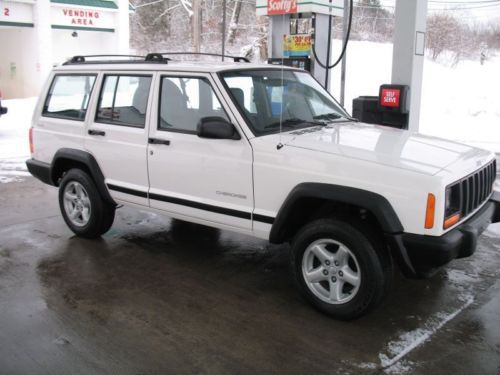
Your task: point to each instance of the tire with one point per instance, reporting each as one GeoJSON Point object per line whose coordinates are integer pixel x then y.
{"type": "Point", "coordinates": [354, 273]}
{"type": "Point", "coordinates": [82, 207]}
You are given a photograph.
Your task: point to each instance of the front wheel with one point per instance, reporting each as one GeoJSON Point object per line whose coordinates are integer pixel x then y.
{"type": "Point", "coordinates": [82, 207]}
{"type": "Point", "coordinates": [340, 269]}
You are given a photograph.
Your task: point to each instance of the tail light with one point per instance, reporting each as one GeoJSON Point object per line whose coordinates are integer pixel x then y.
{"type": "Point", "coordinates": [32, 146]}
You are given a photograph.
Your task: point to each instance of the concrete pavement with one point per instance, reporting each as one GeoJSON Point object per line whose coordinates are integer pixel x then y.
{"type": "Point", "coordinates": [155, 296]}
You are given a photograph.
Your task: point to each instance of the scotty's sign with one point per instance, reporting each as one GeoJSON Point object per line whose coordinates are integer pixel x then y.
{"type": "Point", "coordinates": [281, 7]}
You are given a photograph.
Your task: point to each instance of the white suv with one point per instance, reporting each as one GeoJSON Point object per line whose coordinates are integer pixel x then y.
{"type": "Point", "coordinates": [265, 151]}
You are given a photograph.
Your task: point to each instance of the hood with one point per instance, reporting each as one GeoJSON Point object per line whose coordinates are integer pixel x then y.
{"type": "Point", "coordinates": [384, 145]}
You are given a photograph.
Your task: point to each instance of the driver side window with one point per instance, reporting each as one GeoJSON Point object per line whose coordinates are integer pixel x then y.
{"type": "Point", "coordinates": [184, 101]}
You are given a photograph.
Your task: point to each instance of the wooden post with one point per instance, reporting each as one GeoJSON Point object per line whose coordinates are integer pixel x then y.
{"type": "Point", "coordinates": [196, 25]}
{"type": "Point", "coordinates": [223, 29]}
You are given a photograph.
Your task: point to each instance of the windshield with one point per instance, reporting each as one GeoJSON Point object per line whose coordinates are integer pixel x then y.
{"type": "Point", "coordinates": [294, 99]}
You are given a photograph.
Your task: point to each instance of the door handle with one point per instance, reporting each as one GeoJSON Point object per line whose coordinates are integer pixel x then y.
{"type": "Point", "coordinates": [156, 141]}
{"type": "Point", "coordinates": [97, 132]}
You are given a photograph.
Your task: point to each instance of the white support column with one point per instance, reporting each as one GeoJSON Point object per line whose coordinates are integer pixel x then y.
{"type": "Point", "coordinates": [408, 52]}
{"type": "Point", "coordinates": [43, 35]}
{"type": "Point", "coordinates": [278, 27]}
{"type": "Point", "coordinates": [322, 36]}
{"type": "Point", "coordinates": [123, 27]}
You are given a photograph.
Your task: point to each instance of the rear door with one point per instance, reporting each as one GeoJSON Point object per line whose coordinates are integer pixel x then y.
{"type": "Point", "coordinates": [207, 179]}
{"type": "Point", "coordinates": [117, 134]}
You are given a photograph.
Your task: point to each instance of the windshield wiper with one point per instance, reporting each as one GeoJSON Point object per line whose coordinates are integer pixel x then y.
{"type": "Point", "coordinates": [334, 116]}
{"type": "Point", "coordinates": [328, 116]}
{"type": "Point", "coordinates": [290, 122]}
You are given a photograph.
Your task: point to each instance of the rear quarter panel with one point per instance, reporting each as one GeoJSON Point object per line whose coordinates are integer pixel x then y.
{"type": "Point", "coordinates": [50, 133]}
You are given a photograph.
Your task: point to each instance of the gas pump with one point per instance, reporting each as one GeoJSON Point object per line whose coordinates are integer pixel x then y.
{"type": "Point", "coordinates": [294, 28]}
{"type": "Point", "coordinates": [297, 44]}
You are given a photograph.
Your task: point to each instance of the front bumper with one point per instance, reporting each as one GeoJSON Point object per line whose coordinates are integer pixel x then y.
{"type": "Point", "coordinates": [419, 252]}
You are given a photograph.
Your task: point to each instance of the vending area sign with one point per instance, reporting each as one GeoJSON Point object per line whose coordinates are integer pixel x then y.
{"type": "Point", "coordinates": [281, 7]}
{"type": "Point", "coordinates": [81, 17]}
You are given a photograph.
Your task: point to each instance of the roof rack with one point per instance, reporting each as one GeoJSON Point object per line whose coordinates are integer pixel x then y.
{"type": "Point", "coordinates": [235, 58]}
{"type": "Point", "coordinates": [149, 58]}
{"type": "Point", "coordinates": [132, 59]}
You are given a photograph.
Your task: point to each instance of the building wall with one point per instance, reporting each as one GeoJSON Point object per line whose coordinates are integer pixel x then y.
{"type": "Point", "coordinates": [35, 37]}
{"type": "Point", "coordinates": [86, 43]}
{"type": "Point", "coordinates": [18, 63]}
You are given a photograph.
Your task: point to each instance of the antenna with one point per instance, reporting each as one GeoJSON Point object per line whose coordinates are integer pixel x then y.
{"type": "Point", "coordinates": [279, 146]}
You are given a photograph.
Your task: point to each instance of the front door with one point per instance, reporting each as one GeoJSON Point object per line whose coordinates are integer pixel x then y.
{"type": "Point", "coordinates": [206, 179]}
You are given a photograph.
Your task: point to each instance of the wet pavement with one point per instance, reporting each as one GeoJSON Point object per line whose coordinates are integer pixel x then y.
{"type": "Point", "coordinates": [156, 296]}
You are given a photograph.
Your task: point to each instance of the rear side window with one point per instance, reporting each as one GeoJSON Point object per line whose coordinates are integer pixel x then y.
{"type": "Point", "coordinates": [69, 96]}
{"type": "Point", "coordinates": [124, 100]}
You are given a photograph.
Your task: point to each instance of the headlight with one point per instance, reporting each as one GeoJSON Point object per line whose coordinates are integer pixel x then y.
{"type": "Point", "coordinates": [452, 212]}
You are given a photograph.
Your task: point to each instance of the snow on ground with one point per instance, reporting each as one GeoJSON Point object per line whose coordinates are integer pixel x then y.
{"type": "Point", "coordinates": [396, 350]}
{"type": "Point", "coordinates": [14, 142]}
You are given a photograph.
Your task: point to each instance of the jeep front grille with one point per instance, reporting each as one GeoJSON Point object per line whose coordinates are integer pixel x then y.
{"type": "Point", "coordinates": [476, 188]}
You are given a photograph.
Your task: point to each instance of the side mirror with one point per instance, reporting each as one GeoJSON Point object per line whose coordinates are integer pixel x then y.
{"type": "Point", "coordinates": [216, 128]}
{"type": "Point", "coordinates": [3, 110]}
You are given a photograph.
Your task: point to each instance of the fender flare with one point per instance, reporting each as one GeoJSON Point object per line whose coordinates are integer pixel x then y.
{"type": "Point", "coordinates": [378, 205]}
{"type": "Point", "coordinates": [86, 159]}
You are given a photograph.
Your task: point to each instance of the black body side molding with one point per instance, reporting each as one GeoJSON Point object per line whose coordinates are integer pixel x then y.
{"type": "Point", "coordinates": [375, 203]}
{"type": "Point", "coordinates": [48, 173]}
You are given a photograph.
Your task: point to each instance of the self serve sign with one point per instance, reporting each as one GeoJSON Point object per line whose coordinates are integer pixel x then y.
{"type": "Point", "coordinates": [394, 98]}
{"type": "Point", "coordinates": [390, 97]}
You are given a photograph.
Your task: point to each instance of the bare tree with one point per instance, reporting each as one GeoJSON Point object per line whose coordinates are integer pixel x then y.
{"type": "Point", "coordinates": [233, 25]}
{"type": "Point", "coordinates": [443, 32]}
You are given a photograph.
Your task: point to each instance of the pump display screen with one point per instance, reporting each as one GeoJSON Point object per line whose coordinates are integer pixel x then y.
{"type": "Point", "coordinates": [390, 97]}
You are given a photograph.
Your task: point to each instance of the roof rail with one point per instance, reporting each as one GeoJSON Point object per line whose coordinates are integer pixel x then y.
{"type": "Point", "coordinates": [156, 57]}
{"type": "Point", "coordinates": [235, 58]}
{"type": "Point", "coordinates": [149, 58]}
{"type": "Point", "coordinates": [131, 59]}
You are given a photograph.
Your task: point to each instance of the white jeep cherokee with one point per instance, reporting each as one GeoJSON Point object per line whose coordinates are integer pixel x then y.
{"type": "Point", "coordinates": [265, 151]}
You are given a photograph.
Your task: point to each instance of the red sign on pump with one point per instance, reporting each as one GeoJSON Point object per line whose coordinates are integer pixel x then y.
{"type": "Point", "coordinates": [281, 7]}
{"type": "Point", "coordinates": [390, 97]}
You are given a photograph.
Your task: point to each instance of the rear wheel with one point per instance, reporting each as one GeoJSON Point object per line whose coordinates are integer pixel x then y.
{"type": "Point", "coordinates": [339, 268]}
{"type": "Point", "coordinates": [82, 207]}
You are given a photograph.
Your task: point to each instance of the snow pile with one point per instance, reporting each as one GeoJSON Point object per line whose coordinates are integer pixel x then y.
{"type": "Point", "coordinates": [14, 142]}
{"type": "Point", "coordinates": [458, 102]}
{"type": "Point", "coordinates": [13, 170]}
